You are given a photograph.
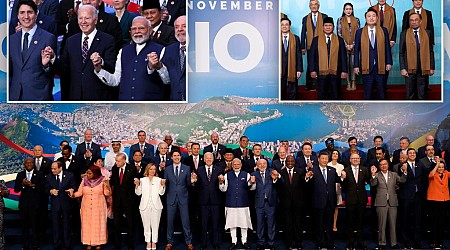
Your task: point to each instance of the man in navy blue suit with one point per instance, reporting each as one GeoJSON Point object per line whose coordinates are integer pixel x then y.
{"type": "Point", "coordinates": [307, 159]}
{"type": "Point", "coordinates": [373, 57]}
{"type": "Point", "coordinates": [209, 199]}
{"type": "Point", "coordinates": [266, 200]}
{"type": "Point", "coordinates": [31, 57]}
{"type": "Point", "coordinates": [60, 184]}
{"type": "Point", "coordinates": [175, 60]}
{"type": "Point", "coordinates": [178, 180]}
{"type": "Point", "coordinates": [87, 149]}
{"type": "Point", "coordinates": [323, 181]}
{"type": "Point", "coordinates": [215, 147]}
{"type": "Point", "coordinates": [146, 149]}
{"type": "Point", "coordinates": [77, 56]}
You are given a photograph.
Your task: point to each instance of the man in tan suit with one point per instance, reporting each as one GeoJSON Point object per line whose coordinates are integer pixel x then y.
{"type": "Point", "coordinates": [386, 201]}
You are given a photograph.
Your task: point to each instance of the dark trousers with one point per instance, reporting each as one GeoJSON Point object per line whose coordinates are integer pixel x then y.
{"type": "Point", "coordinates": [309, 79]}
{"type": "Point", "coordinates": [289, 90]}
{"type": "Point", "coordinates": [61, 227]}
{"type": "Point", "coordinates": [410, 214]}
{"type": "Point", "coordinates": [184, 214]}
{"type": "Point", "coordinates": [29, 219]}
{"type": "Point", "coordinates": [328, 87]}
{"type": "Point", "coordinates": [355, 216]}
{"type": "Point", "coordinates": [373, 79]}
{"type": "Point", "coordinates": [119, 210]}
{"type": "Point", "coordinates": [324, 224]}
{"type": "Point", "coordinates": [209, 215]}
{"type": "Point", "coordinates": [293, 222]}
{"type": "Point", "coordinates": [265, 214]}
{"type": "Point", "coordinates": [416, 87]}
{"type": "Point", "coordinates": [438, 215]}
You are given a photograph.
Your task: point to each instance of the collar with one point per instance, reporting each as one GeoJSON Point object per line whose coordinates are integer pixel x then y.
{"type": "Point", "coordinates": [157, 27]}
{"type": "Point", "coordinates": [91, 38]}
{"type": "Point", "coordinates": [30, 32]}
{"type": "Point", "coordinates": [418, 29]}
{"type": "Point", "coordinates": [29, 172]}
{"type": "Point", "coordinates": [419, 10]}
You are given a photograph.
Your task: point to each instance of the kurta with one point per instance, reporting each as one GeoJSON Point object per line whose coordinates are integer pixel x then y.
{"type": "Point", "coordinates": [93, 214]}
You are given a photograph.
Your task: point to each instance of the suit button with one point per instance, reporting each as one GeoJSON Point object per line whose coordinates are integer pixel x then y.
{"type": "Point", "coordinates": [135, 61]}
{"type": "Point", "coordinates": [132, 87]}
{"type": "Point", "coordinates": [134, 70]}
{"type": "Point", "coordinates": [134, 79]}
{"type": "Point", "coordinates": [132, 98]}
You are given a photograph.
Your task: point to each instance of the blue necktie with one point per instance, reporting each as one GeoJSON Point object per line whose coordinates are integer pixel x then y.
{"type": "Point", "coordinates": [25, 45]}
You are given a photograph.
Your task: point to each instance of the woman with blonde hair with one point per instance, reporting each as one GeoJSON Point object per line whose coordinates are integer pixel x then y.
{"type": "Point", "coordinates": [150, 188]}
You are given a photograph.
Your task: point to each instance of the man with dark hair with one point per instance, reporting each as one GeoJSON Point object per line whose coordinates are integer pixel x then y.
{"type": "Point", "coordinates": [242, 151]}
{"type": "Point", "coordinates": [327, 62]}
{"type": "Point", "coordinates": [306, 160]}
{"type": "Point", "coordinates": [291, 61]}
{"type": "Point", "coordinates": [373, 58]}
{"type": "Point", "coordinates": [378, 142]}
{"type": "Point", "coordinates": [352, 141]}
{"type": "Point", "coordinates": [160, 32]}
{"type": "Point", "coordinates": [147, 149]}
{"type": "Point", "coordinates": [427, 18]}
{"type": "Point", "coordinates": [215, 147]}
{"type": "Point", "coordinates": [250, 163]}
{"type": "Point", "coordinates": [404, 145]}
{"type": "Point", "coordinates": [61, 145]}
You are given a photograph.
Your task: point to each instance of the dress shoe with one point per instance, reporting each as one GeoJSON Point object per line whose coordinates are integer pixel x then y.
{"type": "Point", "coordinates": [169, 246]}
{"type": "Point", "coordinates": [190, 247]}
{"type": "Point", "coordinates": [380, 247]}
{"type": "Point", "coordinates": [232, 246]}
{"type": "Point", "coordinates": [245, 245]}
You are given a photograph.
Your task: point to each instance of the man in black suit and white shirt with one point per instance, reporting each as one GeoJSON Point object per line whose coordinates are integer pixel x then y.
{"type": "Point", "coordinates": [87, 149]}
{"type": "Point", "coordinates": [161, 32]}
{"type": "Point", "coordinates": [146, 149]}
{"type": "Point", "coordinates": [215, 147]}
{"type": "Point", "coordinates": [242, 152]}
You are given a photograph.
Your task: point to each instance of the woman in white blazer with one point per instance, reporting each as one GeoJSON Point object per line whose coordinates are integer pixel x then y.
{"type": "Point", "coordinates": [150, 187]}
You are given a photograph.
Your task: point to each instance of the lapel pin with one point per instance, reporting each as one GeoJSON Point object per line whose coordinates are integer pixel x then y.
{"type": "Point", "coordinates": [295, 172]}
{"type": "Point", "coordinates": [35, 42]}
{"type": "Point", "coordinates": [181, 170]}
{"type": "Point", "coordinates": [97, 39]}
{"type": "Point", "coordinates": [101, 20]}
{"type": "Point", "coordinates": [64, 176]}
{"type": "Point", "coordinates": [40, 22]}
{"type": "Point", "coordinates": [172, 2]}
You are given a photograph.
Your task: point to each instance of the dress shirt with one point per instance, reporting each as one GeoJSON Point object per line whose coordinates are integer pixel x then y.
{"type": "Point", "coordinates": [90, 39]}
{"type": "Point", "coordinates": [29, 174]}
{"type": "Point", "coordinates": [418, 10]}
{"type": "Point", "coordinates": [30, 35]}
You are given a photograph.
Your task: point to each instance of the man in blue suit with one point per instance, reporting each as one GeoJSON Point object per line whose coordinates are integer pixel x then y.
{"type": "Point", "coordinates": [209, 199]}
{"type": "Point", "coordinates": [178, 180]}
{"type": "Point", "coordinates": [60, 184]}
{"type": "Point", "coordinates": [31, 58]}
{"type": "Point", "coordinates": [323, 181]}
{"type": "Point", "coordinates": [373, 57]}
{"type": "Point", "coordinates": [146, 149]}
{"type": "Point", "coordinates": [266, 200]}
{"type": "Point", "coordinates": [175, 61]}
{"type": "Point", "coordinates": [77, 56]}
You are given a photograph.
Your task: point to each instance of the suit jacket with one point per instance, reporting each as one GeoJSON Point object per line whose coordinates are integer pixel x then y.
{"type": "Point", "coordinates": [276, 164]}
{"type": "Point", "coordinates": [165, 35]}
{"type": "Point", "coordinates": [407, 190]}
{"type": "Point", "coordinates": [123, 193]}
{"type": "Point", "coordinates": [143, 165]}
{"type": "Point", "coordinates": [298, 58]}
{"type": "Point", "coordinates": [373, 52]}
{"type": "Point", "coordinates": [81, 79]}
{"type": "Point", "coordinates": [62, 201]}
{"type": "Point", "coordinates": [47, 7]}
{"type": "Point", "coordinates": [249, 164]}
{"type": "Point", "coordinates": [268, 189]}
{"type": "Point", "coordinates": [177, 188]}
{"type": "Point", "coordinates": [346, 157]}
{"type": "Point", "coordinates": [175, 8]}
{"type": "Point", "coordinates": [61, 15]}
{"type": "Point", "coordinates": [324, 192]}
{"type": "Point", "coordinates": [28, 79]}
{"type": "Point", "coordinates": [386, 189]}
{"type": "Point", "coordinates": [237, 152]}
{"type": "Point", "coordinates": [396, 156]}
{"type": "Point", "coordinates": [371, 155]}
{"type": "Point", "coordinates": [46, 165]}
{"type": "Point", "coordinates": [154, 194]}
{"type": "Point", "coordinates": [313, 57]}
{"type": "Point", "coordinates": [149, 151]}
{"type": "Point", "coordinates": [430, 25]}
{"type": "Point", "coordinates": [77, 167]}
{"type": "Point", "coordinates": [177, 76]}
{"type": "Point", "coordinates": [303, 33]}
{"type": "Point", "coordinates": [208, 191]}
{"type": "Point", "coordinates": [356, 192]}
{"type": "Point", "coordinates": [157, 160]}
{"type": "Point", "coordinates": [81, 150]}
{"type": "Point", "coordinates": [292, 194]}
{"type": "Point", "coordinates": [404, 53]}
{"type": "Point", "coordinates": [220, 150]}
{"type": "Point", "coordinates": [421, 152]}
{"type": "Point", "coordinates": [300, 161]}
{"type": "Point", "coordinates": [189, 161]}
{"type": "Point", "coordinates": [30, 197]}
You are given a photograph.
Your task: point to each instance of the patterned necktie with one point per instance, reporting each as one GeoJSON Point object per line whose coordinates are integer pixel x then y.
{"type": "Point", "coordinates": [314, 20]}
{"type": "Point", "coordinates": [182, 57]}
{"type": "Point", "coordinates": [25, 45]}
{"type": "Point", "coordinates": [85, 49]}
{"type": "Point", "coordinates": [209, 174]}
{"type": "Point", "coordinates": [77, 6]}
{"type": "Point", "coordinates": [164, 4]}
{"type": "Point", "coordinates": [355, 173]}
{"type": "Point", "coordinates": [121, 176]}
{"type": "Point", "coordinates": [285, 44]}
{"type": "Point", "coordinates": [381, 16]}
{"type": "Point", "coordinates": [263, 177]}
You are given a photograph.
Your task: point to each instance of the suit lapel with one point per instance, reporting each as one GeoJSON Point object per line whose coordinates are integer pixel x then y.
{"type": "Point", "coordinates": [95, 42]}
{"type": "Point", "coordinates": [33, 44]}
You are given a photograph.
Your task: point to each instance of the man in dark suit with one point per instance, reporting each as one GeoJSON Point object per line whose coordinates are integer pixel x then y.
{"type": "Point", "coordinates": [87, 149]}
{"type": "Point", "coordinates": [416, 58]}
{"type": "Point", "coordinates": [162, 33]}
{"type": "Point", "coordinates": [410, 196]}
{"type": "Point", "coordinates": [122, 182]}
{"type": "Point", "coordinates": [31, 185]}
{"type": "Point", "coordinates": [352, 141]}
{"type": "Point", "coordinates": [371, 153]}
{"type": "Point", "coordinates": [67, 10]}
{"type": "Point", "coordinates": [249, 165]}
{"type": "Point", "coordinates": [427, 163]}
{"type": "Point", "coordinates": [195, 160]}
{"type": "Point", "coordinates": [266, 200]}
{"type": "Point", "coordinates": [215, 147]}
{"type": "Point", "coordinates": [170, 148]}
{"type": "Point", "coordinates": [60, 184]}
{"type": "Point", "coordinates": [312, 26]}
{"type": "Point", "coordinates": [386, 201]}
{"type": "Point", "coordinates": [306, 160]}
{"type": "Point", "coordinates": [41, 163]}
{"type": "Point", "coordinates": [139, 163]}
{"type": "Point", "coordinates": [171, 10]}
{"type": "Point", "coordinates": [404, 145]}
{"type": "Point", "coordinates": [178, 179]}
{"type": "Point", "coordinates": [209, 200]}
{"type": "Point", "coordinates": [82, 81]}
{"type": "Point", "coordinates": [422, 152]}
{"type": "Point", "coordinates": [228, 157]}
{"type": "Point", "coordinates": [31, 58]}
{"type": "Point", "coordinates": [44, 22]}
{"type": "Point", "coordinates": [355, 200]}
{"type": "Point", "coordinates": [146, 149]}
{"type": "Point", "coordinates": [162, 159]}
{"type": "Point", "coordinates": [327, 62]}
{"type": "Point", "coordinates": [47, 7]}
{"type": "Point", "coordinates": [292, 202]}
{"type": "Point", "coordinates": [242, 151]}
{"type": "Point", "coordinates": [427, 18]}
{"type": "Point", "coordinates": [291, 61]}
{"type": "Point", "coordinates": [280, 163]}
{"type": "Point", "coordinates": [285, 145]}
{"type": "Point", "coordinates": [367, 61]}
{"type": "Point", "coordinates": [175, 60]}
{"type": "Point", "coordinates": [72, 164]}
{"type": "Point", "coordinates": [323, 183]}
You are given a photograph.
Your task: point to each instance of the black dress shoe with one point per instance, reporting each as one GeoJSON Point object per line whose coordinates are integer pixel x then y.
{"type": "Point", "coordinates": [232, 246]}
{"type": "Point", "coordinates": [380, 247]}
{"type": "Point", "coordinates": [245, 245]}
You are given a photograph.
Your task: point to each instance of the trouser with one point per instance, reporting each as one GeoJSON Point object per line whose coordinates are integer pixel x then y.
{"type": "Point", "coordinates": [267, 213]}
{"type": "Point", "coordinates": [234, 235]}
{"type": "Point", "coordinates": [370, 80]}
{"type": "Point", "coordinates": [355, 215]}
{"type": "Point", "coordinates": [389, 214]}
{"type": "Point", "coordinates": [184, 214]}
{"type": "Point", "coordinates": [416, 87]}
{"type": "Point", "coordinates": [438, 215]}
{"type": "Point", "coordinates": [150, 220]}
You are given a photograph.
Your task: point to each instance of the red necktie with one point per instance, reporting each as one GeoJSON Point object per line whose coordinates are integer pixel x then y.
{"type": "Point", "coordinates": [121, 175]}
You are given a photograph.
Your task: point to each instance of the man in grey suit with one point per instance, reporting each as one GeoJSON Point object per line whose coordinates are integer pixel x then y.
{"type": "Point", "coordinates": [386, 201]}
{"type": "Point", "coordinates": [178, 179]}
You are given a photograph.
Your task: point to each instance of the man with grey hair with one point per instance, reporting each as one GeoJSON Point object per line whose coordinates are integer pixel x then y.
{"type": "Point", "coordinates": [138, 72]}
